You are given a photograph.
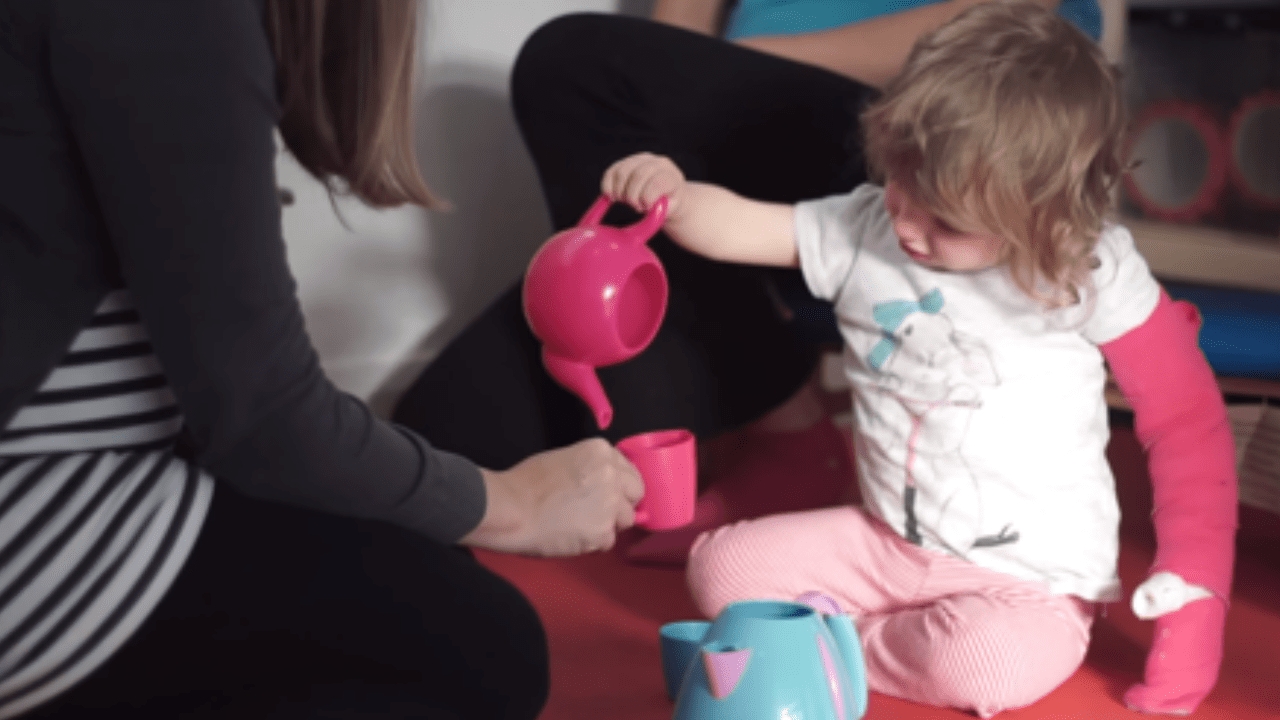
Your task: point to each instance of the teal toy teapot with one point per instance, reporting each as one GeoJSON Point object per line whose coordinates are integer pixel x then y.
{"type": "Point", "coordinates": [767, 660]}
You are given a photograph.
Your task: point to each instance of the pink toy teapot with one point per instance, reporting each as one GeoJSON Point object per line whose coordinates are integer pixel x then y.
{"type": "Point", "coordinates": [595, 296]}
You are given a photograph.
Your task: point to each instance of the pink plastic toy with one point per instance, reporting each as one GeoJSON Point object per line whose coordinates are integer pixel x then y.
{"type": "Point", "coordinates": [668, 464]}
{"type": "Point", "coordinates": [595, 296]}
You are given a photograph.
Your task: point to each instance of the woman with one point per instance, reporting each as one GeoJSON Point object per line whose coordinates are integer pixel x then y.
{"type": "Point", "coordinates": [771, 116]}
{"type": "Point", "coordinates": [194, 521]}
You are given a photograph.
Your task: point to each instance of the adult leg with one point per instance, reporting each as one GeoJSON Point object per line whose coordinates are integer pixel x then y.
{"type": "Point", "coordinates": [935, 629]}
{"type": "Point", "coordinates": [588, 90]}
{"type": "Point", "coordinates": [487, 396]}
{"type": "Point", "coordinates": [286, 613]}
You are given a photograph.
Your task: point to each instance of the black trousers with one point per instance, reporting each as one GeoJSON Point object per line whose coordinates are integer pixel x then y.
{"type": "Point", "coordinates": [588, 90]}
{"type": "Point", "coordinates": [285, 613]}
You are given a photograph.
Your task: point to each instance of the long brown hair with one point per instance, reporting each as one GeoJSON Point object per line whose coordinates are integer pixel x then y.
{"type": "Point", "coordinates": [344, 77]}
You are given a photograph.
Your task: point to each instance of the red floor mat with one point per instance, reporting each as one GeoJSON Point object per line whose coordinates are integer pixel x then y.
{"type": "Point", "coordinates": [602, 618]}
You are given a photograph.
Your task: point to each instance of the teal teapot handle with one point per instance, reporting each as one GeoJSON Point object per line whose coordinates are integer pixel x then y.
{"type": "Point", "coordinates": [848, 645]}
{"type": "Point", "coordinates": [850, 649]}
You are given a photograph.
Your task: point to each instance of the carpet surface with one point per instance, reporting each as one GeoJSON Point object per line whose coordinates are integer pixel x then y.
{"type": "Point", "coordinates": [602, 617]}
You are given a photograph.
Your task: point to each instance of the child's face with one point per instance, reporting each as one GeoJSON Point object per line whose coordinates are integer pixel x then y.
{"type": "Point", "coordinates": [932, 242]}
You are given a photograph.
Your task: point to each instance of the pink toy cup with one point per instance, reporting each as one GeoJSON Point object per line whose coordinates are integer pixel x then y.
{"type": "Point", "coordinates": [668, 464]}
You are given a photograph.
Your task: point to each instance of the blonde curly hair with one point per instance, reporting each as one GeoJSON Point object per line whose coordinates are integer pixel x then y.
{"type": "Point", "coordinates": [1010, 118]}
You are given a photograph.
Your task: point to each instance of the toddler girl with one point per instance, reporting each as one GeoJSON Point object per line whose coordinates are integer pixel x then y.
{"type": "Point", "coordinates": [979, 290]}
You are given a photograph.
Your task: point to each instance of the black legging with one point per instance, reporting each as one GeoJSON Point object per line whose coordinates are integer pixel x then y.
{"type": "Point", "coordinates": [283, 613]}
{"type": "Point", "coordinates": [588, 90]}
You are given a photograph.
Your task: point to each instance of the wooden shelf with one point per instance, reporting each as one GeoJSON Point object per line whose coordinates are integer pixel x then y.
{"type": "Point", "coordinates": [1208, 255]}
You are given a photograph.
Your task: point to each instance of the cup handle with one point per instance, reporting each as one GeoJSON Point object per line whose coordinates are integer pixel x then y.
{"type": "Point", "coordinates": [641, 512]}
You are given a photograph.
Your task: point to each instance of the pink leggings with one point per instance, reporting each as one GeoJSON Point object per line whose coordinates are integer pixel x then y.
{"type": "Point", "coordinates": [935, 629]}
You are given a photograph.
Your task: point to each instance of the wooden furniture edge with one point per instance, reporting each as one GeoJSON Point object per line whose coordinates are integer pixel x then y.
{"type": "Point", "coordinates": [1193, 253]}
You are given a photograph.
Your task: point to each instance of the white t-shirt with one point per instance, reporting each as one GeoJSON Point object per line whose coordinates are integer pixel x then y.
{"type": "Point", "coordinates": [981, 425]}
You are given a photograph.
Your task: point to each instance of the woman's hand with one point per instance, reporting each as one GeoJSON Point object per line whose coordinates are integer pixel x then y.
{"type": "Point", "coordinates": [561, 502]}
{"type": "Point", "coordinates": [700, 16]}
{"type": "Point", "coordinates": [639, 180]}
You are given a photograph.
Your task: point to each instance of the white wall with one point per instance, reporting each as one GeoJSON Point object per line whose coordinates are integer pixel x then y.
{"type": "Point", "coordinates": [383, 295]}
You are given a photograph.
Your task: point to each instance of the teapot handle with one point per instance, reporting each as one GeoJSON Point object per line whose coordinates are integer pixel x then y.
{"type": "Point", "coordinates": [850, 648]}
{"type": "Point", "coordinates": [596, 212]}
{"type": "Point", "coordinates": [652, 220]}
{"type": "Point", "coordinates": [642, 230]}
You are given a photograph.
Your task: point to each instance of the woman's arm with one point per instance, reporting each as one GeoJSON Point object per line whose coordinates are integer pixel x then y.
{"type": "Point", "coordinates": [172, 108]}
{"type": "Point", "coordinates": [871, 51]}
{"type": "Point", "coordinates": [702, 16]}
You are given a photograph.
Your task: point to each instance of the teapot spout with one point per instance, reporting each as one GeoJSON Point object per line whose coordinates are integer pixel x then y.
{"type": "Point", "coordinates": [580, 379]}
{"type": "Point", "coordinates": [724, 667]}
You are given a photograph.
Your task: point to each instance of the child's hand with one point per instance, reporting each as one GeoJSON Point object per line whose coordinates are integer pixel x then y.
{"type": "Point", "coordinates": [1164, 593]}
{"type": "Point", "coordinates": [639, 180]}
{"type": "Point", "coordinates": [706, 219]}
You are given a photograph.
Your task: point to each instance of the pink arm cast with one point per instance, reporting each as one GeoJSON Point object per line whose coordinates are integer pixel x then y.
{"type": "Point", "coordinates": [1181, 421]}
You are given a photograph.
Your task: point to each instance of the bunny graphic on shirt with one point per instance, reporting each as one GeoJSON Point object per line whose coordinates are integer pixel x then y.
{"type": "Point", "coordinates": [935, 373]}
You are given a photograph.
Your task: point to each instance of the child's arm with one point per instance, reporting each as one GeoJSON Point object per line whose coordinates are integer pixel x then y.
{"type": "Point", "coordinates": [706, 219]}
{"type": "Point", "coordinates": [1181, 420]}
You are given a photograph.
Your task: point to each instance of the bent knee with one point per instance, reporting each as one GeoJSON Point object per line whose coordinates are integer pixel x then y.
{"type": "Point", "coordinates": [517, 679]}
{"type": "Point", "coordinates": [778, 557]}
{"type": "Point", "coordinates": [999, 658]}
{"type": "Point", "coordinates": [559, 44]}
{"type": "Point", "coordinates": [758, 559]}
{"type": "Point", "coordinates": [498, 646]}
{"type": "Point", "coordinates": [732, 563]}
{"type": "Point", "coordinates": [710, 571]}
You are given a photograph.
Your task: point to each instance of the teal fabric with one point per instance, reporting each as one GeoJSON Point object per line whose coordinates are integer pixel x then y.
{"type": "Point", "coordinates": [786, 17]}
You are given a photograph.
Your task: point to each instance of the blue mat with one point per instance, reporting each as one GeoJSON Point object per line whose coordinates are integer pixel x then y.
{"type": "Point", "coordinates": [1241, 331]}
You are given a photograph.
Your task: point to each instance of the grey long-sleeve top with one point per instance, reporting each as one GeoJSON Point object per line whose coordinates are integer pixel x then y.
{"type": "Point", "coordinates": [137, 148]}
